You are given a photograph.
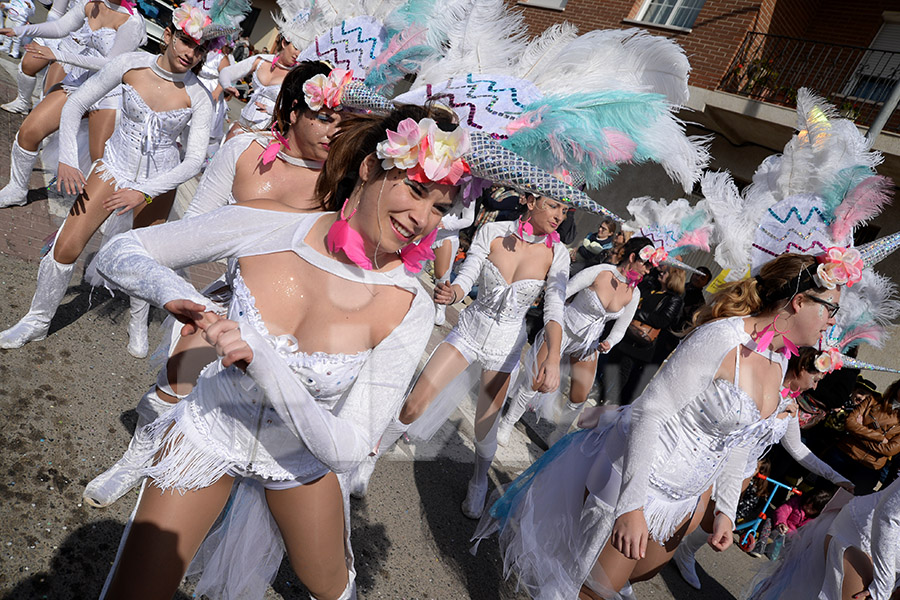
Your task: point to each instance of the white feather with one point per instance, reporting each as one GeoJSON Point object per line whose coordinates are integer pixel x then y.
{"type": "Point", "coordinates": [683, 157]}
{"type": "Point", "coordinates": [540, 51]}
{"type": "Point", "coordinates": [733, 230]}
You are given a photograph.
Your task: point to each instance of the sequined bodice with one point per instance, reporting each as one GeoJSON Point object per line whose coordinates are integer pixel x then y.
{"type": "Point", "coordinates": [264, 93]}
{"type": "Point", "coordinates": [508, 302]}
{"type": "Point", "coordinates": [586, 314]}
{"type": "Point", "coordinates": [98, 42]}
{"type": "Point", "coordinates": [326, 376]}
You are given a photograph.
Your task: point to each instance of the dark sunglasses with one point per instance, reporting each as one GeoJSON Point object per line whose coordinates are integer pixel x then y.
{"type": "Point", "coordinates": [831, 306]}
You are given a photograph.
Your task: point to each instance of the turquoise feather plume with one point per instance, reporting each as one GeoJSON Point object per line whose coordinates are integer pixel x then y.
{"type": "Point", "coordinates": [383, 77]}
{"type": "Point", "coordinates": [414, 12]}
{"type": "Point", "coordinates": [841, 184]}
{"type": "Point", "coordinates": [590, 133]}
{"type": "Point", "coordinates": [230, 12]}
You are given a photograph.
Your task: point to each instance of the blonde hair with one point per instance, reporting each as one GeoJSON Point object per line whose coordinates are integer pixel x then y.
{"type": "Point", "coordinates": [675, 282]}
{"type": "Point", "coordinates": [779, 280]}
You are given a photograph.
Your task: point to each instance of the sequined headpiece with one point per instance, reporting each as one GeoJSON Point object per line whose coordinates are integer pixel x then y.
{"type": "Point", "coordinates": [215, 25]}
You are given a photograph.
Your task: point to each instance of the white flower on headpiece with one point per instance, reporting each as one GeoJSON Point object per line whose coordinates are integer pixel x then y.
{"type": "Point", "coordinates": [653, 255]}
{"type": "Point", "coordinates": [425, 151]}
{"type": "Point", "coordinates": [190, 20]}
{"type": "Point", "coordinates": [829, 360]}
{"type": "Point", "coordinates": [839, 266]}
{"type": "Point", "coordinates": [319, 90]}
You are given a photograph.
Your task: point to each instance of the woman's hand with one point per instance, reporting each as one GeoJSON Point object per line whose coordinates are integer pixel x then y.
{"type": "Point", "coordinates": [233, 91]}
{"type": "Point", "coordinates": [604, 347]}
{"type": "Point", "coordinates": [8, 31]}
{"type": "Point", "coordinates": [191, 314]}
{"type": "Point", "coordinates": [225, 336]}
{"type": "Point", "coordinates": [444, 293]}
{"type": "Point", "coordinates": [547, 379]}
{"type": "Point", "coordinates": [124, 199]}
{"type": "Point", "coordinates": [39, 51]}
{"type": "Point", "coordinates": [69, 179]}
{"type": "Point", "coordinates": [630, 534]}
{"type": "Point", "coordinates": [721, 538]}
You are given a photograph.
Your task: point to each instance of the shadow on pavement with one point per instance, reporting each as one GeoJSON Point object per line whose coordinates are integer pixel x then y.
{"type": "Point", "coordinates": [711, 588]}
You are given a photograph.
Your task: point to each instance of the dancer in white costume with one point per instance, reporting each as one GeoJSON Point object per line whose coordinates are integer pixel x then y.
{"type": "Point", "coordinates": [596, 295]}
{"type": "Point", "coordinates": [803, 374]}
{"type": "Point", "coordinates": [315, 397]}
{"type": "Point", "coordinates": [446, 246]}
{"type": "Point", "coordinates": [139, 170]}
{"type": "Point", "coordinates": [31, 64]}
{"type": "Point", "coordinates": [105, 30]}
{"type": "Point", "coordinates": [216, 60]}
{"type": "Point", "coordinates": [246, 168]}
{"type": "Point", "coordinates": [267, 72]}
{"type": "Point", "coordinates": [609, 505]}
{"type": "Point", "coordinates": [846, 555]}
{"type": "Point", "coordinates": [15, 13]}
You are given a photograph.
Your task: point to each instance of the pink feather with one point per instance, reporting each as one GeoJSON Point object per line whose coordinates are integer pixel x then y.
{"type": "Point", "coordinates": [619, 147]}
{"type": "Point", "coordinates": [864, 202]}
{"type": "Point", "coordinates": [873, 333]}
{"type": "Point", "coordinates": [414, 35]}
{"type": "Point", "coordinates": [699, 238]}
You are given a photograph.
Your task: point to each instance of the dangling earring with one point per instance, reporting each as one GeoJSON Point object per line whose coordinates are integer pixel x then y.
{"type": "Point", "coordinates": [768, 334]}
{"type": "Point", "coordinates": [342, 237]}
{"type": "Point", "coordinates": [525, 227]}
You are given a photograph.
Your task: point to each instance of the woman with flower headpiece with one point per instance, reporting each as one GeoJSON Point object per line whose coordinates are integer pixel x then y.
{"type": "Point", "coordinates": [248, 167]}
{"type": "Point", "coordinates": [608, 505]}
{"type": "Point", "coordinates": [512, 263]}
{"type": "Point", "coordinates": [804, 372]}
{"type": "Point", "coordinates": [105, 29]}
{"type": "Point", "coordinates": [267, 72]}
{"type": "Point", "coordinates": [141, 164]}
{"type": "Point", "coordinates": [324, 330]}
{"type": "Point", "coordinates": [596, 295]}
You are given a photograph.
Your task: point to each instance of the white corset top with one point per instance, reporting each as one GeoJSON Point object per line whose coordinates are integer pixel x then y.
{"type": "Point", "coordinates": [153, 133]}
{"type": "Point", "coordinates": [264, 93]}
{"type": "Point", "coordinates": [506, 302]}
{"type": "Point", "coordinates": [585, 316]}
{"type": "Point", "coordinates": [95, 42]}
{"type": "Point", "coordinates": [326, 376]}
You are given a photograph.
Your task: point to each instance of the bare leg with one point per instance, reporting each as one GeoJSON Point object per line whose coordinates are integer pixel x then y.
{"type": "Point", "coordinates": [311, 520]}
{"type": "Point", "coordinates": [55, 75]}
{"type": "Point", "coordinates": [85, 218]}
{"type": "Point", "coordinates": [445, 364]}
{"type": "Point", "coordinates": [443, 258]}
{"type": "Point", "coordinates": [101, 124]}
{"type": "Point", "coordinates": [42, 121]}
{"type": "Point", "coordinates": [166, 533]}
{"type": "Point", "coordinates": [31, 64]}
{"type": "Point", "coordinates": [859, 572]}
{"type": "Point", "coordinates": [487, 416]}
{"type": "Point", "coordinates": [583, 373]}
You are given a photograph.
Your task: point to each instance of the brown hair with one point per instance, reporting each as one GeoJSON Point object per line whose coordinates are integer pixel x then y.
{"type": "Point", "coordinates": [778, 282]}
{"type": "Point", "coordinates": [803, 362]}
{"type": "Point", "coordinates": [357, 137]}
{"type": "Point", "coordinates": [889, 395]}
{"type": "Point", "coordinates": [290, 97]}
{"type": "Point", "coordinates": [173, 31]}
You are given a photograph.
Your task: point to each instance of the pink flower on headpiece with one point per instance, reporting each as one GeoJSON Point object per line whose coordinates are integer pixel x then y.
{"type": "Point", "coordinates": [319, 90]}
{"type": "Point", "coordinates": [191, 21]}
{"type": "Point", "coordinates": [653, 255]}
{"type": "Point", "coordinates": [829, 360]}
{"type": "Point", "coordinates": [426, 151]}
{"type": "Point", "coordinates": [839, 266]}
{"type": "Point", "coordinates": [564, 176]}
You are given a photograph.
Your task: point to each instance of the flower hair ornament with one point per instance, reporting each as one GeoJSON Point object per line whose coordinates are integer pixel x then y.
{"type": "Point", "coordinates": [425, 152]}
{"type": "Point", "coordinates": [653, 255]}
{"type": "Point", "coordinates": [838, 266]}
{"type": "Point", "coordinates": [328, 91]}
{"type": "Point", "coordinates": [216, 22]}
{"type": "Point", "coordinates": [829, 360]}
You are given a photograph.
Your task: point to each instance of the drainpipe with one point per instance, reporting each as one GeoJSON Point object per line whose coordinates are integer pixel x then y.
{"type": "Point", "coordinates": [884, 114]}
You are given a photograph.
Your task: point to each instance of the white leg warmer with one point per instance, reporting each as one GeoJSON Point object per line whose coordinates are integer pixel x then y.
{"type": "Point", "coordinates": [21, 162]}
{"type": "Point", "coordinates": [138, 342]}
{"type": "Point", "coordinates": [52, 283]}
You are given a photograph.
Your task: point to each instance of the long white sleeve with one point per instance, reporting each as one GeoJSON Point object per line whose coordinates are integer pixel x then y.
{"type": "Point", "coordinates": [681, 379]}
{"type": "Point", "coordinates": [83, 98]}
{"type": "Point", "coordinates": [618, 331]}
{"type": "Point", "coordinates": [345, 437]}
{"type": "Point", "coordinates": [585, 278]}
{"type": "Point", "coordinates": [730, 481]}
{"type": "Point", "coordinates": [215, 187]}
{"type": "Point", "coordinates": [71, 21]}
{"type": "Point", "coordinates": [555, 290]}
{"type": "Point", "coordinates": [142, 262]}
{"type": "Point", "coordinates": [886, 543]}
{"type": "Point", "coordinates": [129, 37]}
{"type": "Point", "coordinates": [809, 461]}
{"type": "Point", "coordinates": [475, 257]}
{"type": "Point", "coordinates": [459, 218]}
{"type": "Point", "coordinates": [232, 73]}
{"type": "Point", "coordinates": [57, 9]}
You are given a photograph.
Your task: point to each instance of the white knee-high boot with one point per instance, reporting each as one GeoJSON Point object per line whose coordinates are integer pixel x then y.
{"type": "Point", "coordinates": [517, 407]}
{"type": "Point", "coordinates": [21, 162]}
{"type": "Point", "coordinates": [684, 556]}
{"type": "Point", "coordinates": [52, 282]}
{"type": "Point", "coordinates": [485, 450]}
{"type": "Point", "coordinates": [358, 481]}
{"type": "Point", "coordinates": [570, 412]}
{"type": "Point", "coordinates": [115, 482]}
{"type": "Point", "coordinates": [138, 343]}
{"type": "Point", "coordinates": [21, 104]}
{"type": "Point", "coordinates": [440, 310]}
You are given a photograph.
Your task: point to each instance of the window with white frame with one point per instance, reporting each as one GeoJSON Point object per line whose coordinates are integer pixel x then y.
{"type": "Point", "coordinates": [671, 13]}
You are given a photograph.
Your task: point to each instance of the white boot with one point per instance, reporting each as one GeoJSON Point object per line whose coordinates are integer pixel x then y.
{"type": "Point", "coordinates": [485, 450]}
{"type": "Point", "coordinates": [115, 482]}
{"type": "Point", "coordinates": [440, 314]}
{"type": "Point", "coordinates": [138, 343]}
{"type": "Point", "coordinates": [627, 592]}
{"type": "Point", "coordinates": [684, 559]}
{"type": "Point", "coordinates": [569, 414]}
{"type": "Point", "coordinates": [22, 102]}
{"type": "Point", "coordinates": [359, 479]}
{"type": "Point", "coordinates": [517, 407]}
{"type": "Point", "coordinates": [52, 282]}
{"type": "Point", "coordinates": [21, 162]}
